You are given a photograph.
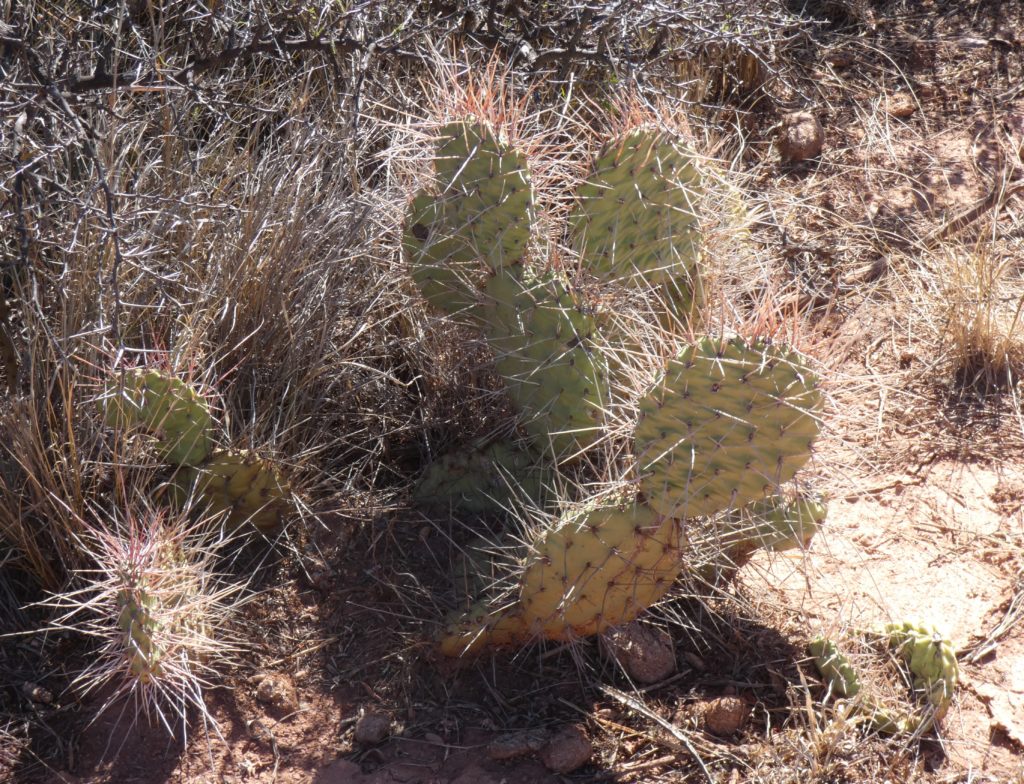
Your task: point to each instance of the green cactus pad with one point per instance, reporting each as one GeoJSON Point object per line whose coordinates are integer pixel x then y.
{"type": "Point", "coordinates": [727, 424]}
{"type": "Point", "coordinates": [482, 481]}
{"type": "Point", "coordinates": [931, 659]}
{"type": "Point", "coordinates": [636, 220]}
{"type": "Point", "coordinates": [544, 349]}
{"type": "Point", "coordinates": [604, 563]}
{"type": "Point", "coordinates": [165, 406]}
{"type": "Point", "coordinates": [248, 488]}
{"type": "Point", "coordinates": [445, 269]}
{"type": "Point", "coordinates": [485, 195]}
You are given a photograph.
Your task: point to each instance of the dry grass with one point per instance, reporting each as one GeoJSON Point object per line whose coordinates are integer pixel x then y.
{"type": "Point", "coordinates": [976, 299]}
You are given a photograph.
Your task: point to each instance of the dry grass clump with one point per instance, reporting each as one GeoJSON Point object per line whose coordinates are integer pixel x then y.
{"type": "Point", "coordinates": [980, 315]}
{"type": "Point", "coordinates": [969, 302]}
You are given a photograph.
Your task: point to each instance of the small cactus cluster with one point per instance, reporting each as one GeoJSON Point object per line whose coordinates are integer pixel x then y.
{"type": "Point", "coordinates": [930, 658]}
{"type": "Point", "coordinates": [235, 483]}
{"type": "Point", "coordinates": [725, 425]}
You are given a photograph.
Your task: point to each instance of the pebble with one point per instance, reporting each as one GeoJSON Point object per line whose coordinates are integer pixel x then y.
{"type": "Point", "coordinates": [568, 750]}
{"type": "Point", "coordinates": [800, 137]}
{"type": "Point", "coordinates": [372, 728]}
{"type": "Point", "coordinates": [645, 653]}
{"type": "Point", "coordinates": [725, 716]}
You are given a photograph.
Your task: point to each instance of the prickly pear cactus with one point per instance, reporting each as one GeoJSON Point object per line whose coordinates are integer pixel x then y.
{"type": "Point", "coordinates": [776, 523]}
{"type": "Point", "coordinates": [601, 565]}
{"type": "Point", "coordinates": [720, 546]}
{"type": "Point", "coordinates": [165, 406]}
{"type": "Point", "coordinates": [930, 658]}
{"type": "Point", "coordinates": [724, 412]}
{"type": "Point", "coordinates": [544, 350]}
{"type": "Point", "coordinates": [728, 424]}
{"type": "Point", "coordinates": [487, 480]}
{"type": "Point", "coordinates": [636, 222]}
{"type": "Point", "coordinates": [466, 246]}
{"type": "Point", "coordinates": [248, 488]}
{"type": "Point", "coordinates": [479, 221]}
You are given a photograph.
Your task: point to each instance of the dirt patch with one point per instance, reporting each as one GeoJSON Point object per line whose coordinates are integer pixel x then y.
{"type": "Point", "coordinates": [940, 549]}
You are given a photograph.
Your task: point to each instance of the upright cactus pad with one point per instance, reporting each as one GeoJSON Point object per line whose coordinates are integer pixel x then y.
{"type": "Point", "coordinates": [601, 565]}
{"type": "Point", "coordinates": [250, 489]}
{"type": "Point", "coordinates": [485, 192]}
{"type": "Point", "coordinates": [165, 406]}
{"type": "Point", "coordinates": [482, 481]}
{"type": "Point", "coordinates": [727, 424]}
{"type": "Point", "coordinates": [544, 350]}
{"type": "Point", "coordinates": [481, 218]}
{"type": "Point", "coordinates": [636, 219]}
{"type": "Point", "coordinates": [775, 524]}
{"type": "Point", "coordinates": [931, 659]}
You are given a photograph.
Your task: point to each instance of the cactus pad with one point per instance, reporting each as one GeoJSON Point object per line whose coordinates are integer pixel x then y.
{"type": "Point", "coordinates": [602, 564]}
{"type": "Point", "coordinates": [447, 272]}
{"type": "Point", "coordinates": [482, 481]}
{"type": "Point", "coordinates": [726, 425]}
{"type": "Point", "coordinates": [246, 487]}
{"type": "Point", "coordinates": [166, 407]}
{"type": "Point", "coordinates": [636, 220]}
{"type": "Point", "coordinates": [485, 197]}
{"type": "Point", "coordinates": [544, 349]}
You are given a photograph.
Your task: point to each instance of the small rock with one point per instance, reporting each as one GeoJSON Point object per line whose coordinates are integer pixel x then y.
{"type": "Point", "coordinates": [901, 105]}
{"type": "Point", "coordinates": [646, 654]}
{"type": "Point", "coordinates": [800, 137]}
{"type": "Point", "coordinates": [277, 691]}
{"type": "Point", "coordinates": [372, 728]}
{"type": "Point", "coordinates": [568, 750]}
{"type": "Point", "coordinates": [516, 744]}
{"type": "Point", "coordinates": [726, 716]}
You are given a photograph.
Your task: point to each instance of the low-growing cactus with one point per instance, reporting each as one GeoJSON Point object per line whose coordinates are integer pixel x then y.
{"type": "Point", "coordinates": [237, 484]}
{"type": "Point", "coordinates": [159, 613]}
{"type": "Point", "coordinates": [243, 487]}
{"type": "Point", "coordinates": [930, 659]}
{"type": "Point", "coordinates": [607, 560]}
